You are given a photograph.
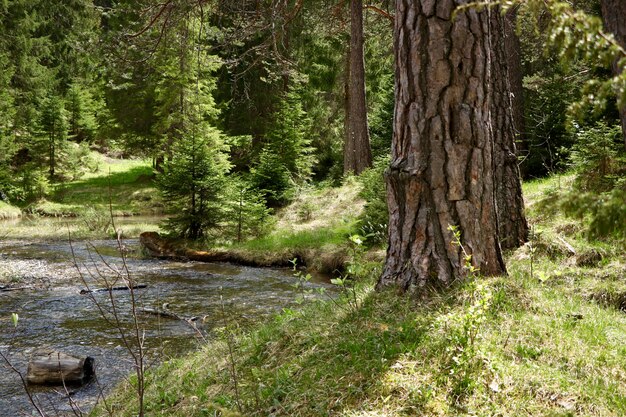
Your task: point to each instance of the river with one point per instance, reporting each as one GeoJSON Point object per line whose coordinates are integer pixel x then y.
{"type": "Point", "coordinates": [53, 314]}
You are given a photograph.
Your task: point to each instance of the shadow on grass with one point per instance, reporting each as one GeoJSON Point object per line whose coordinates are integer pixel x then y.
{"type": "Point", "coordinates": [98, 190]}
{"type": "Point", "coordinates": [136, 175]}
{"type": "Point", "coordinates": [329, 363]}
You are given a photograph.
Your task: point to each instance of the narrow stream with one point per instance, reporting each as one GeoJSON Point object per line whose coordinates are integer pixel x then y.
{"type": "Point", "coordinates": [53, 314]}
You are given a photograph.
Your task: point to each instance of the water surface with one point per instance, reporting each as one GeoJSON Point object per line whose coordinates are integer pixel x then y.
{"type": "Point", "coordinates": [53, 314]}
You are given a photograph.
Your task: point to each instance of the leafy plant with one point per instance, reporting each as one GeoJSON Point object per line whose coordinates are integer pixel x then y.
{"type": "Point", "coordinates": [598, 157]}
{"type": "Point", "coordinates": [462, 328]}
{"type": "Point", "coordinates": [355, 269]}
{"type": "Point", "coordinates": [302, 280]}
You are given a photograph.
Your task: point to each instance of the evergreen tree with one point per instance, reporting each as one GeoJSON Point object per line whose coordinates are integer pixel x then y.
{"type": "Point", "coordinates": [53, 124]}
{"type": "Point", "coordinates": [248, 213]}
{"type": "Point", "coordinates": [289, 137]}
{"type": "Point", "coordinates": [81, 108]}
{"type": "Point", "coordinates": [193, 183]}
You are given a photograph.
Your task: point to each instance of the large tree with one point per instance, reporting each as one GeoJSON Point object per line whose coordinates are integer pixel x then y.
{"type": "Point", "coordinates": [512, 225]}
{"type": "Point", "coordinates": [357, 152]}
{"type": "Point", "coordinates": [442, 151]}
{"type": "Point", "coordinates": [614, 16]}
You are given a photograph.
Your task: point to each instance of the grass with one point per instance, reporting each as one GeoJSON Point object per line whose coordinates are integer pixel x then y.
{"type": "Point", "coordinates": [83, 207]}
{"type": "Point", "coordinates": [8, 211]}
{"type": "Point", "coordinates": [314, 229]}
{"type": "Point", "coordinates": [551, 343]}
{"type": "Point", "coordinates": [126, 184]}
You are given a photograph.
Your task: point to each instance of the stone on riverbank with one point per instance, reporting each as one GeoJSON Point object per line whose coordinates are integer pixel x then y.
{"type": "Point", "coordinates": [49, 367]}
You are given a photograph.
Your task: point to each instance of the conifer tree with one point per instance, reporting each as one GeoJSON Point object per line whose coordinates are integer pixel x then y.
{"type": "Point", "coordinates": [53, 124]}
{"type": "Point", "coordinates": [193, 183]}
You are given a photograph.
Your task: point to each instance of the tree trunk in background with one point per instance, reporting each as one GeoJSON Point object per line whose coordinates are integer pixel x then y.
{"type": "Point", "coordinates": [516, 77]}
{"type": "Point", "coordinates": [614, 16]}
{"type": "Point", "coordinates": [512, 225]}
{"type": "Point", "coordinates": [357, 152]}
{"type": "Point", "coordinates": [441, 165]}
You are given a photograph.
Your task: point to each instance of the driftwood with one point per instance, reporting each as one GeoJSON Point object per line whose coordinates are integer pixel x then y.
{"type": "Point", "coordinates": [122, 288]}
{"type": "Point", "coordinates": [157, 246]}
{"type": "Point", "coordinates": [570, 248]}
{"type": "Point", "coordinates": [52, 367]}
{"type": "Point", "coordinates": [165, 312]}
{"type": "Point", "coordinates": [7, 289]}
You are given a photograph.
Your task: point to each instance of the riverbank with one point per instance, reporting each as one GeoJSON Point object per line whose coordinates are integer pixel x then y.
{"type": "Point", "coordinates": [121, 187]}
{"type": "Point", "coordinates": [44, 288]}
{"type": "Point", "coordinates": [9, 212]}
{"type": "Point", "coordinates": [546, 340]}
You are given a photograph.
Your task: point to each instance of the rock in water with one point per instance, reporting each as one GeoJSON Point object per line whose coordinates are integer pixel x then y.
{"type": "Point", "coordinates": [53, 367]}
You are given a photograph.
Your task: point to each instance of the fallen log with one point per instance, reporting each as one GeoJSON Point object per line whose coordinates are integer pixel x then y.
{"type": "Point", "coordinates": [161, 248]}
{"type": "Point", "coordinates": [122, 288]}
{"type": "Point", "coordinates": [164, 312]}
{"type": "Point", "coordinates": [49, 367]}
{"type": "Point", "coordinates": [8, 289]}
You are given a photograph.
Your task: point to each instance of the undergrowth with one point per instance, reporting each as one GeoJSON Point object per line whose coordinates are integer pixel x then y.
{"type": "Point", "coordinates": [550, 343]}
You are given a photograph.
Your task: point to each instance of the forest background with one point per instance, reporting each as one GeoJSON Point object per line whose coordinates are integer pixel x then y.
{"type": "Point", "coordinates": [245, 107]}
{"type": "Point", "coordinates": [250, 101]}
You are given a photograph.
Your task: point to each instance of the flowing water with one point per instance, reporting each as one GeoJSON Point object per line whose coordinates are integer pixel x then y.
{"type": "Point", "coordinates": [53, 314]}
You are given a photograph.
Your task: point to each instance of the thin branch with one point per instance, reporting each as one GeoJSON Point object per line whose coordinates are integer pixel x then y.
{"type": "Point", "coordinates": [380, 12]}
{"type": "Point", "coordinates": [156, 17]}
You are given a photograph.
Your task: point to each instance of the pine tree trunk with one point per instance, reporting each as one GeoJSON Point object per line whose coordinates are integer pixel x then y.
{"type": "Point", "coordinates": [441, 166]}
{"type": "Point", "coordinates": [51, 154]}
{"type": "Point", "coordinates": [512, 225]}
{"type": "Point", "coordinates": [614, 16]}
{"type": "Point", "coordinates": [357, 151]}
{"type": "Point", "coordinates": [514, 62]}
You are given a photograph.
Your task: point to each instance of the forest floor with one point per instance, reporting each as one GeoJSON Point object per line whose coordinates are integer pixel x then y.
{"type": "Point", "coordinates": [84, 206]}
{"type": "Point", "coordinates": [124, 186]}
{"type": "Point", "coordinates": [548, 339]}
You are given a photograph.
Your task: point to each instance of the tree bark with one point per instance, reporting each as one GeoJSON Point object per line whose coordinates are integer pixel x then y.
{"type": "Point", "coordinates": [512, 225]}
{"type": "Point", "coordinates": [441, 166]}
{"type": "Point", "coordinates": [357, 152]}
{"type": "Point", "coordinates": [614, 16]}
{"type": "Point", "coordinates": [514, 62]}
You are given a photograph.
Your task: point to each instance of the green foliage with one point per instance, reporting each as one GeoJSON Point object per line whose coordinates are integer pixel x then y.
{"type": "Point", "coordinates": [569, 82]}
{"type": "Point", "coordinates": [286, 158]}
{"type": "Point", "coordinates": [375, 216]}
{"type": "Point", "coordinates": [81, 108]}
{"type": "Point", "coordinates": [271, 177]}
{"type": "Point", "coordinates": [288, 137]}
{"type": "Point", "coordinates": [599, 191]}
{"type": "Point", "coordinates": [53, 124]}
{"type": "Point", "coordinates": [78, 161]}
{"type": "Point", "coordinates": [193, 184]}
{"type": "Point", "coordinates": [606, 211]}
{"type": "Point", "coordinates": [247, 213]}
{"type": "Point", "coordinates": [598, 157]}
{"type": "Point", "coordinates": [356, 269]}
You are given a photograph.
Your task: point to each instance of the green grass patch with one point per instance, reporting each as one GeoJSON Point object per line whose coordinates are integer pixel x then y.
{"type": "Point", "coordinates": [8, 211]}
{"type": "Point", "coordinates": [124, 186]}
{"type": "Point", "coordinates": [534, 350]}
{"type": "Point", "coordinates": [303, 239]}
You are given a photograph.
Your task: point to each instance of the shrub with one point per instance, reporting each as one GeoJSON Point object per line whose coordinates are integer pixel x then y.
{"type": "Point", "coordinates": [375, 215]}
{"type": "Point", "coordinates": [598, 157]}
